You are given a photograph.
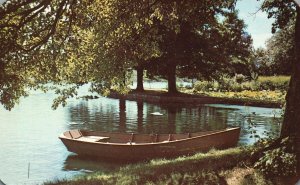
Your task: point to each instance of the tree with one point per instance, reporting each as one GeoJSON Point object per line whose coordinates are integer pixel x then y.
{"type": "Point", "coordinates": [202, 49]}
{"type": "Point", "coordinates": [33, 35]}
{"type": "Point", "coordinates": [283, 11]}
{"type": "Point", "coordinates": [79, 41]}
{"type": "Point", "coordinates": [60, 41]}
{"type": "Point", "coordinates": [260, 62]}
{"type": "Point", "coordinates": [219, 49]}
{"type": "Point", "coordinates": [281, 50]}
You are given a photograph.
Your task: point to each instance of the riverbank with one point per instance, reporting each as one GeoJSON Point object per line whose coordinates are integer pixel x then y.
{"type": "Point", "coordinates": [215, 167]}
{"type": "Point", "coordinates": [258, 99]}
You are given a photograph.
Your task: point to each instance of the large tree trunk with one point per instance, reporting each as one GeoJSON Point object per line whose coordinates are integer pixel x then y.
{"type": "Point", "coordinates": [172, 78]}
{"type": "Point", "coordinates": [291, 122]}
{"type": "Point", "coordinates": [140, 74]}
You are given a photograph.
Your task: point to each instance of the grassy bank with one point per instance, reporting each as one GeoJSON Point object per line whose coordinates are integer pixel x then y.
{"type": "Point", "coordinates": [245, 96]}
{"type": "Point", "coordinates": [215, 167]}
{"type": "Point", "coordinates": [268, 89]}
{"type": "Point", "coordinates": [197, 168]}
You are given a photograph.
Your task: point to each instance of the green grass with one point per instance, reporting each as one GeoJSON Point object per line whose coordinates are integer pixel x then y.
{"type": "Point", "coordinates": [274, 82]}
{"type": "Point", "coordinates": [265, 90]}
{"type": "Point", "coordinates": [222, 167]}
{"type": "Point", "coordinates": [197, 169]}
{"type": "Point", "coordinates": [277, 97]}
{"type": "Point", "coordinates": [230, 84]}
{"type": "Point", "coordinates": [275, 79]}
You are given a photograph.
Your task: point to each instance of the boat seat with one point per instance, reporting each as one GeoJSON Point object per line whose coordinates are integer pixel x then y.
{"type": "Point", "coordinates": [93, 139]}
{"type": "Point", "coordinates": [75, 134]}
{"type": "Point", "coordinates": [131, 143]}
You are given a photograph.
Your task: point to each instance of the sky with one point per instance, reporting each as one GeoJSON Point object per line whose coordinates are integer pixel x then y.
{"type": "Point", "coordinates": [259, 26]}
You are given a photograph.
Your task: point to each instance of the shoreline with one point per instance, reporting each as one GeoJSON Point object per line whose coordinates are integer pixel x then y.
{"type": "Point", "coordinates": [159, 96]}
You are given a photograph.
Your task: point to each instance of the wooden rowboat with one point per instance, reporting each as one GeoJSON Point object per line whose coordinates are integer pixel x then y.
{"type": "Point", "coordinates": [126, 146]}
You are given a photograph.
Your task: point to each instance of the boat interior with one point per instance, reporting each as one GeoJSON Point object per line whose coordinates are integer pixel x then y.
{"type": "Point", "coordinates": [128, 138]}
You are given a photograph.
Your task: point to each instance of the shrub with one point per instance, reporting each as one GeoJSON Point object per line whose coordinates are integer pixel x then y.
{"type": "Point", "coordinates": [250, 86]}
{"type": "Point", "coordinates": [204, 86]}
{"type": "Point", "coordinates": [235, 87]}
{"type": "Point", "coordinates": [278, 161]}
{"type": "Point", "coordinates": [239, 78]}
{"type": "Point", "coordinates": [238, 84]}
{"type": "Point", "coordinates": [226, 83]}
{"type": "Point", "coordinates": [274, 82]}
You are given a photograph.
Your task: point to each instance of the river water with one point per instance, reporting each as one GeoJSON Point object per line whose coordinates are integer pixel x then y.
{"type": "Point", "coordinates": [31, 153]}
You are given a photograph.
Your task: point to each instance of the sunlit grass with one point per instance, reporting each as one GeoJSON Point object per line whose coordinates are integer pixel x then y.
{"type": "Point", "coordinates": [274, 79]}
{"type": "Point", "coordinates": [265, 96]}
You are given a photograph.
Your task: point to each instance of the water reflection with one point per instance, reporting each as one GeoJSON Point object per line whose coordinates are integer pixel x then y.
{"type": "Point", "coordinates": [85, 164]}
{"type": "Point", "coordinates": [122, 115]}
{"type": "Point", "coordinates": [141, 117]}
{"type": "Point", "coordinates": [130, 116]}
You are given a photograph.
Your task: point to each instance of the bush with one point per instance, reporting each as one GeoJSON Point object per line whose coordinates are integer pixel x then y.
{"type": "Point", "coordinates": [239, 78]}
{"type": "Point", "coordinates": [278, 161]}
{"type": "Point", "coordinates": [250, 86]}
{"type": "Point", "coordinates": [234, 84]}
{"type": "Point", "coordinates": [204, 86]}
{"type": "Point", "coordinates": [226, 83]}
{"type": "Point", "coordinates": [274, 82]}
{"type": "Point", "coordinates": [238, 84]}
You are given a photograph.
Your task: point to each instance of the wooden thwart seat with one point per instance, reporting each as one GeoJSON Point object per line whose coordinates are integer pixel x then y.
{"type": "Point", "coordinates": [76, 134]}
{"type": "Point", "coordinates": [93, 139]}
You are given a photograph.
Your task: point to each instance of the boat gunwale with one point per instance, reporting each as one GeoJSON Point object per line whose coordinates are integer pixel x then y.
{"type": "Point", "coordinates": [62, 136]}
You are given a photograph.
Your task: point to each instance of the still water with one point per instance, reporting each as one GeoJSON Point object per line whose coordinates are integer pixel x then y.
{"type": "Point", "coordinates": [31, 153]}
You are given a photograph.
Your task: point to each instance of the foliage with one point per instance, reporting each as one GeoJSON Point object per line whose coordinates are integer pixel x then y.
{"type": "Point", "coordinates": [277, 97]}
{"type": "Point", "coordinates": [280, 50]}
{"type": "Point", "coordinates": [279, 160]}
{"type": "Point", "coordinates": [239, 78]}
{"type": "Point", "coordinates": [238, 84]}
{"type": "Point", "coordinates": [200, 48]}
{"type": "Point", "coordinates": [226, 83]}
{"type": "Point", "coordinates": [205, 86]}
{"type": "Point", "coordinates": [75, 42]}
{"type": "Point", "coordinates": [278, 56]}
{"type": "Point", "coordinates": [268, 89]}
{"type": "Point", "coordinates": [273, 83]}
{"type": "Point", "coordinates": [282, 11]}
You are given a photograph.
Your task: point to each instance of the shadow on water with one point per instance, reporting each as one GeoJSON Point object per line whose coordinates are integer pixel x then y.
{"type": "Point", "coordinates": [90, 164]}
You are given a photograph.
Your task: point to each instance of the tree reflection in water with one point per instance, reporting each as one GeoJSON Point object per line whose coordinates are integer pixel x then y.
{"type": "Point", "coordinates": [119, 115]}
{"type": "Point", "coordinates": [114, 115]}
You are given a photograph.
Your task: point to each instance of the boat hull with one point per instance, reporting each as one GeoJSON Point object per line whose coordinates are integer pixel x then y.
{"type": "Point", "coordinates": [131, 151]}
